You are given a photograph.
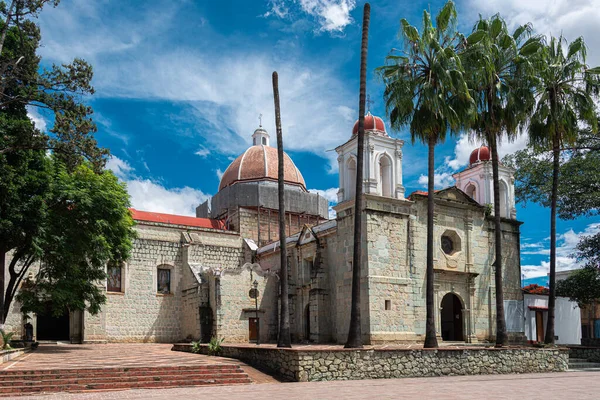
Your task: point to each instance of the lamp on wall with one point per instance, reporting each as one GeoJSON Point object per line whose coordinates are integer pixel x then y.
{"type": "Point", "coordinates": [254, 294]}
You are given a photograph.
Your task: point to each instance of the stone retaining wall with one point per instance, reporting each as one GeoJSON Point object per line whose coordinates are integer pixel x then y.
{"type": "Point", "coordinates": [588, 353]}
{"type": "Point", "coordinates": [326, 365]}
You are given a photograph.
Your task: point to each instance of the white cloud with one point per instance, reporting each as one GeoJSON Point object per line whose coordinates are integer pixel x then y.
{"type": "Point", "coordinates": [441, 180]}
{"type": "Point", "coordinates": [332, 15]}
{"type": "Point", "coordinates": [149, 195]}
{"type": "Point", "coordinates": [572, 18]}
{"type": "Point", "coordinates": [219, 173]}
{"type": "Point", "coordinates": [565, 250]}
{"type": "Point", "coordinates": [202, 152]}
{"type": "Point", "coordinates": [37, 119]}
{"type": "Point", "coordinates": [120, 168]}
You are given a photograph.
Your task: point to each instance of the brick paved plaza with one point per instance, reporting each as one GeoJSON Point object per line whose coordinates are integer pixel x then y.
{"type": "Point", "coordinates": [574, 385]}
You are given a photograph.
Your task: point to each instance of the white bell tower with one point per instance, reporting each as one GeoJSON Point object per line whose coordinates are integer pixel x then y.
{"type": "Point", "coordinates": [477, 182]}
{"type": "Point", "coordinates": [382, 170]}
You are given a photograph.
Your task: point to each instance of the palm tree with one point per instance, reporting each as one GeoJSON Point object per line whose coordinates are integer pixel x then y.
{"type": "Point", "coordinates": [354, 331]}
{"type": "Point", "coordinates": [565, 94]}
{"type": "Point", "coordinates": [284, 339]}
{"type": "Point", "coordinates": [500, 77]}
{"type": "Point", "coordinates": [426, 90]}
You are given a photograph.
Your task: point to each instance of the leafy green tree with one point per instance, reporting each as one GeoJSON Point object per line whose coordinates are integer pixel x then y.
{"type": "Point", "coordinates": [426, 91]}
{"type": "Point", "coordinates": [565, 94]}
{"type": "Point", "coordinates": [582, 286]}
{"type": "Point", "coordinates": [500, 77]}
{"type": "Point", "coordinates": [59, 90]}
{"type": "Point", "coordinates": [354, 339]}
{"type": "Point", "coordinates": [88, 224]}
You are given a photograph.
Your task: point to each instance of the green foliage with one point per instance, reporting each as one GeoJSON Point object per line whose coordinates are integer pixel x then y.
{"type": "Point", "coordinates": [59, 90]}
{"type": "Point", "coordinates": [578, 187]}
{"type": "Point", "coordinates": [6, 337]}
{"type": "Point", "coordinates": [565, 91]}
{"type": "Point", "coordinates": [424, 87]}
{"type": "Point", "coordinates": [214, 346]}
{"type": "Point", "coordinates": [88, 225]}
{"type": "Point", "coordinates": [582, 286]}
{"type": "Point", "coordinates": [196, 347]}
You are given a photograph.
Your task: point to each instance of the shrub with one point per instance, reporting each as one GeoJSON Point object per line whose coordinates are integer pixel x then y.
{"type": "Point", "coordinates": [214, 347]}
{"type": "Point", "coordinates": [196, 347]}
{"type": "Point", "coordinates": [6, 336]}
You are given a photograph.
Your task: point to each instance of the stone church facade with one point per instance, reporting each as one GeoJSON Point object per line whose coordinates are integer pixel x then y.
{"type": "Point", "coordinates": [191, 277]}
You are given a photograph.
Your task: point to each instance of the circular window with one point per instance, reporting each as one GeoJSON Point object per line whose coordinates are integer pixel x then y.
{"type": "Point", "coordinates": [447, 245]}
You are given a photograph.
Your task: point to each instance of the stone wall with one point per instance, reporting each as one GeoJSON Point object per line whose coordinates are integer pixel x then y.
{"type": "Point", "coordinates": [326, 365]}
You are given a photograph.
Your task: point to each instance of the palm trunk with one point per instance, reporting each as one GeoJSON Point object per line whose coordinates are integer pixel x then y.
{"type": "Point", "coordinates": [284, 339]}
{"type": "Point", "coordinates": [354, 331]}
{"type": "Point", "coordinates": [430, 338]}
{"type": "Point", "coordinates": [549, 339]}
{"type": "Point", "coordinates": [501, 337]}
{"type": "Point", "coordinates": [2, 283]}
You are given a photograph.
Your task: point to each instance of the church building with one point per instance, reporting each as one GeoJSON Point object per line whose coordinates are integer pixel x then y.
{"type": "Point", "coordinates": [193, 278]}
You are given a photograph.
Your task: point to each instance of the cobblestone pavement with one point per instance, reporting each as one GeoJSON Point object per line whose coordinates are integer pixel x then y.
{"type": "Point", "coordinates": [566, 385]}
{"type": "Point", "coordinates": [67, 356]}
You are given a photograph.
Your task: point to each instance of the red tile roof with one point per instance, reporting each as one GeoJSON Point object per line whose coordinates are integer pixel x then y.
{"type": "Point", "coordinates": [176, 219]}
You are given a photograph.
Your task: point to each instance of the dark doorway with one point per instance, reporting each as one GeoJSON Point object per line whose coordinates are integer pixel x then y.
{"type": "Point", "coordinates": [452, 318]}
{"type": "Point", "coordinates": [307, 323]}
{"type": "Point", "coordinates": [50, 327]}
{"type": "Point", "coordinates": [539, 326]}
{"type": "Point", "coordinates": [206, 324]}
{"type": "Point", "coordinates": [253, 327]}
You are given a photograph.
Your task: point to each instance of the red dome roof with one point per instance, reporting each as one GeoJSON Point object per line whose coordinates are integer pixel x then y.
{"type": "Point", "coordinates": [260, 163]}
{"type": "Point", "coordinates": [480, 154]}
{"type": "Point", "coordinates": [372, 124]}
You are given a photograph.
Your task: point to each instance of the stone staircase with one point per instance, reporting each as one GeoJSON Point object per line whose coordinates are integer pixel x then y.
{"type": "Point", "coordinates": [98, 379]}
{"type": "Point", "coordinates": [581, 364]}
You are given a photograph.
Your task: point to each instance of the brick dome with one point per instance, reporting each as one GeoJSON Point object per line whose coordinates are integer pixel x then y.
{"type": "Point", "coordinates": [260, 163]}
{"type": "Point", "coordinates": [373, 124]}
{"type": "Point", "coordinates": [480, 154]}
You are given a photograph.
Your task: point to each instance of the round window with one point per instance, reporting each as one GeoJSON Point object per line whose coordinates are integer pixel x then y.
{"type": "Point", "coordinates": [447, 245]}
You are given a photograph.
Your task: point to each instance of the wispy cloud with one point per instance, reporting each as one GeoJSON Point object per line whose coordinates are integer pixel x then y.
{"type": "Point", "coordinates": [331, 16]}
{"type": "Point", "coordinates": [331, 196]}
{"type": "Point", "coordinates": [565, 252]}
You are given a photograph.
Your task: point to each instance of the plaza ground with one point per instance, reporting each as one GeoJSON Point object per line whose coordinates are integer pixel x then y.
{"type": "Point", "coordinates": [566, 385]}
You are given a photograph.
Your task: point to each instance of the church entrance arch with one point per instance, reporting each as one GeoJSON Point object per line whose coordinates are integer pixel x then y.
{"type": "Point", "coordinates": [452, 318]}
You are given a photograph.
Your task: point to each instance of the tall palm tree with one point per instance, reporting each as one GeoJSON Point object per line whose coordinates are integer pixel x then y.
{"type": "Point", "coordinates": [565, 94]}
{"type": "Point", "coordinates": [500, 74]}
{"type": "Point", "coordinates": [426, 90]}
{"type": "Point", "coordinates": [284, 339]}
{"type": "Point", "coordinates": [354, 331]}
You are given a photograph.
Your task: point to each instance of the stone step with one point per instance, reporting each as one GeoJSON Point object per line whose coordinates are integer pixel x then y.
{"type": "Point", "coordinates": [584, 365]}
{"type": "Point", "coordinates": [30, 381]}
{"type": "Point", "coordinates": [572, 359]}
{"type": "Point", "coordinates": [119, 370]}
{"type": "Point", "coordinates": [49, 388]}
{"type": "Point", "coordinates": [583, 369]}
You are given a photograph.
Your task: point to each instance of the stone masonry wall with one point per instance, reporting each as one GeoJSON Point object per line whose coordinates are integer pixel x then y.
{"type": "Point", "coordinates": [321, 365]}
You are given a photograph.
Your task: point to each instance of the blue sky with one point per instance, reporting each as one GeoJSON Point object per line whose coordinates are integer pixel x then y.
{"type": "Point", "coordinates": [180, 86]}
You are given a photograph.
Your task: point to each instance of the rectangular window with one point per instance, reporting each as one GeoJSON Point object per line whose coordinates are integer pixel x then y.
{"type": "Point", "coordinates": [164, 281]}
{"type": "Point", "coordinates": [388, 305]}
{"type": "Point", "coordinates": [113, 279]}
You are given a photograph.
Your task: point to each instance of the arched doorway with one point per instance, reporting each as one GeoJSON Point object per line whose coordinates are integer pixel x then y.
{"type": "Point", "coordinates": [307, 322]}
{"type": "Point", "coordinates": [385, 174]}
{"type": "Point", "coordinates": [351, 186]}
{"type": "Point", "coordinates": [52, 327]}
{"type": "Point", "coordinates": [452, 318]}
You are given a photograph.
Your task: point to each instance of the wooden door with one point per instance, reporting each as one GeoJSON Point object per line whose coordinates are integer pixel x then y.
{"type": "Point", "coordinates": [539, 326]}
{"type": "Point", "coordinates": [253, 331]}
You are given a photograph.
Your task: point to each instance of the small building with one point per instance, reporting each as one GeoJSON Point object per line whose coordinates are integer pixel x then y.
{"type": "Point", "coordinates": [567, 317]}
